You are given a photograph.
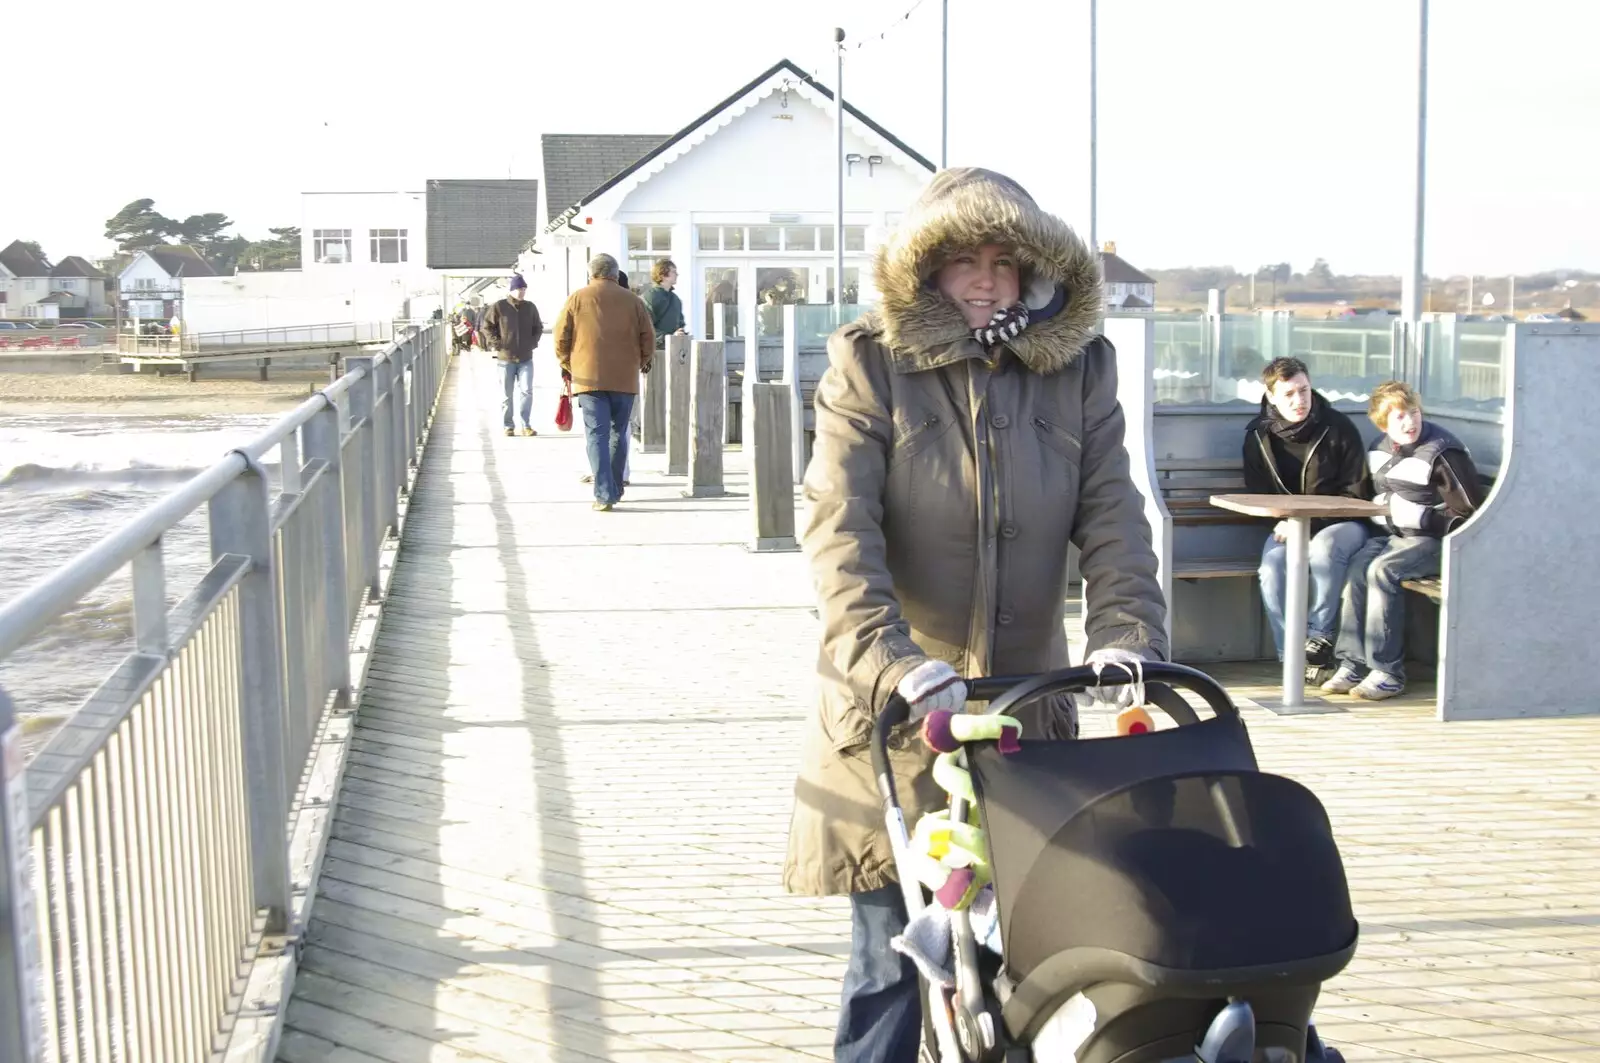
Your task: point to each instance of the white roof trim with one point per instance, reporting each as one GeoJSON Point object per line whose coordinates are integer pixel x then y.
{"type": "Point", "coordinates": [604, 204]}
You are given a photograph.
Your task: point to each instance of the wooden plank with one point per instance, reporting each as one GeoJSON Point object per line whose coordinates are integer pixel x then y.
{"type": "Point", "coordinates": [708, 400]}
{"type": "Point", "coordinates": [1431, 586]}
{"type": "Point", "coordinates": [768, 450]}
{"type": "Point", "coordinates": [1201, 483]}
{"type": "Point", "coordinates": [653, 406]}
{"type": "Point", "coordinates": [1198, 464]}
{"type": "Point", "coordinates": [1214, 567]}
{"type": "Point", "coordinates": [1286, 506]}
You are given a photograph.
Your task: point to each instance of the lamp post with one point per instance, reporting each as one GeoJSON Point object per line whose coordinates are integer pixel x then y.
{"type": "Point", "coordinates": [838, 130]}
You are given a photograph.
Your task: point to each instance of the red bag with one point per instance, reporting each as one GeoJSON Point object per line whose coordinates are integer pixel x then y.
{"type": "Point", "coordinates": [564, 411]}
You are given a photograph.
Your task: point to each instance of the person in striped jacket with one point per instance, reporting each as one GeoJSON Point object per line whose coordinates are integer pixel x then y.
{"type": "Point", "coordinates": [1425, 478]}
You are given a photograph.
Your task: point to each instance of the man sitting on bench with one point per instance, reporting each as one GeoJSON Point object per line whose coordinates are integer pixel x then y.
{"type": "Point", "coordinates": [1426, 478]}
{"type": "Point", "coordinates": [1300, 445]}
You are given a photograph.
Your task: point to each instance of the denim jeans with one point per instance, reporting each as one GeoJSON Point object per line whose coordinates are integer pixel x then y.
{"type": "Point", "coordinates": [605, 429]}
{"type": "Point", "coordinates": [1330, 554]}
{"type": "Point", "coordinates": [1372, 625]}
{"type": "Point", "coordinates": [880, 1012]}
{"type": "Point", "coordinates": [518, 378]}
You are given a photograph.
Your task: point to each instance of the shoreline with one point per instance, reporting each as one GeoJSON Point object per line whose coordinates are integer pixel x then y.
{"type": "Point", "coordinates": [129, 394]}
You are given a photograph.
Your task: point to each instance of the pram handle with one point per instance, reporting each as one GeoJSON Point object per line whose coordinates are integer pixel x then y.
{"type": "Point", "coordinates": [1006, 694]}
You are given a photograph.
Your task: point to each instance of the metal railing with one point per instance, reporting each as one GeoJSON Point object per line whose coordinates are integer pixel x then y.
{"type": "Point", "coordinates": [145, 850]}
{"type": "Point", "coordinates": [285, 335]}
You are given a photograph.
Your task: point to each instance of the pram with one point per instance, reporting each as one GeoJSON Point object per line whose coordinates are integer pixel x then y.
{"type": "Point", "coordinates": [1183, 904]}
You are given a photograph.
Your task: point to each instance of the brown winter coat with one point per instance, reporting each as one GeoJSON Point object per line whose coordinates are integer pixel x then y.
{"type": "Point", "coordinates": [944, 487]}
{"type": "Point", "coordinates": [604, 338]}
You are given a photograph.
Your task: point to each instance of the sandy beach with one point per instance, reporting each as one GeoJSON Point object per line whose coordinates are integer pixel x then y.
{"type": "Point", "coordinates": [134, 393]}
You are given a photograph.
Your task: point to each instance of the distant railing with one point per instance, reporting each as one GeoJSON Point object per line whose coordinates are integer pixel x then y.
{"type": "Point", "coordinates": [145, 852]}
{"type": "Point", "coordinates": [285, 335]}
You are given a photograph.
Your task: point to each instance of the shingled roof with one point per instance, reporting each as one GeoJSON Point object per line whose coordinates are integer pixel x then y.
{"type": "Point", "coordinates": [480, 224]}
{"type": "Point", "coordinates": [181, 260]}
{"type": "Point", "coordinates": [575, 164]}
{"type": "Point", "coordinates": [22, 262]}
{"type": "Point", "coordinates": [74, 266]}
{"type": "Point", "coordinates": [1118, 270]}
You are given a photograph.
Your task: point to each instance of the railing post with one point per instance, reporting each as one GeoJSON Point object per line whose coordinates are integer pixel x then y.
{"type": "Point", "coordinates": [766, 447]}
{"type": "Point", "coordinates": [1216, 313]}
{"type": "Point", "coordinates": [363, 396]}
{"type": "Point", "coordinates": [679, 413]}
{"type": "Point", "coordinates": [405, 453]}
{"type": "Point", "coordinates": [653, 403]}
{"type": "Point", "coordinates": [322, 442]}
{"type": "Point", "coordinates": [241, 523]}
{"type": "Point", "coordinates": [383, 443]}
{"type": "Point", "coordinates": [708, 399]}
{"type": "Point", "coordinates": [20, 1034]}
{"type": "Point", "coordinates": [797, 409]}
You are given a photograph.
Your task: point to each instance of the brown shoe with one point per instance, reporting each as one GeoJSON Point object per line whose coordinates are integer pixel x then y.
{"type": "Point", "coordinates": [586, 479]}
{"type": "Point", "coordinates": [601, 507]}
{"type": "Point", "coordinates": [529, 432]}
{"type": "Point", "coordinates": [511, 431]}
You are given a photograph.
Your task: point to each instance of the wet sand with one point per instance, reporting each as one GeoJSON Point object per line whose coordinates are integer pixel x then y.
{"type": "Point", "coordinates": [142, 393]}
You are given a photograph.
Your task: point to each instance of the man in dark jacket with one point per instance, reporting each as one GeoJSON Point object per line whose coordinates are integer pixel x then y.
{"type": "Point", "coordinates": [1425, 479]}
{"type": "Point", "coordinates": [1300, 445]}
{"type": "Point", "coordinates": [511, 329]}
{"type": "Point", "coordinates": [666, 309]}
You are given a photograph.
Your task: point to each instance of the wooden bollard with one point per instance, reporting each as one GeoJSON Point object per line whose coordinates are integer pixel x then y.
{"type": "Point", "coordinates": [708, 387]}
{"type": "Point", "coordinates": [680, 415]}
{"type": "Point", "coordinates": [766, 446]}
{"type": "Point", "coordinates": [653, 401]}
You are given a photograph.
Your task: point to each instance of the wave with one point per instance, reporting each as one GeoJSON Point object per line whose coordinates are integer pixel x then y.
{"type": "Point", "coordinates": [29, 474]}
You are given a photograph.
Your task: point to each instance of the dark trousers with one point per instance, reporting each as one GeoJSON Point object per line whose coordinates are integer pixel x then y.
{"type": "Point", "coordinates": [605, 429]}
{"type": "Point", "coordinates": [1372, 625]}
{"type": "Point", "coordinates": [880, 1013]}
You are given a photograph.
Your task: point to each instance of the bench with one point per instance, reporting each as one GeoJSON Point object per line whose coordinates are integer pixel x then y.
{"type": "Point", "coordinates": [1187, 485]}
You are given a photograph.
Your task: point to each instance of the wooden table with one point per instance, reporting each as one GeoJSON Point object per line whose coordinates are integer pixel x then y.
{"type": "Point", "coordinates": [1299, 511]}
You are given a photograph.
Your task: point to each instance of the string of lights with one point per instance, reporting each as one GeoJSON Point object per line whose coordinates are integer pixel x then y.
{"type": "Point", "coordinates": [891, 27]}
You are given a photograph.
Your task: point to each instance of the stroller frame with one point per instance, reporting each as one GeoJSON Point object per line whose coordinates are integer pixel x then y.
{"type": "Point", "coordinates": [968, 1027]}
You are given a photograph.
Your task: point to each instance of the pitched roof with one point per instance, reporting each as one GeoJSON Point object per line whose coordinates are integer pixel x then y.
{"type": "Point", "coordinates": [1133, 302]}
{"type": "Point", "coordinates": [575, 163]}
{"type": "Point", "coordinates": [480, 224]}
{"type": "Point", "coordinates": [1118, 270]}
{"type": "Point", "coordinates": [559, 216]}
{"type": "Point", "coordinates": [181, 260]}
{"type": "Point", "coordinates": [22, 262]}
{"type": "Point", "coordinates": [74, 266]}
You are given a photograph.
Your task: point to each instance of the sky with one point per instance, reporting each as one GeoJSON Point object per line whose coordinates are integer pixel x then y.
{"type": "Point", "coordinates": [1231, 132]}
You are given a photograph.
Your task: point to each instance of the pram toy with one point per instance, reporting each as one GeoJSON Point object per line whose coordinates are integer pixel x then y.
{"type": "Point", "coordinates": [1157, 897]}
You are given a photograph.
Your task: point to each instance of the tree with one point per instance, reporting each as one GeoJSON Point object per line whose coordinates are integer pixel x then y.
{"type": "Point", "coordinates": [224, 252]}
{"type": "Point", "coordinates": [137, 226]}
{"type": "Point", "coordinates": [279, 253]}
{"type": "Point", "coordinates": [199, 229]}
{"type": "Point", "coordinates": [1320, 272]}
{"type": "Point", "coordinates": [33, 245]}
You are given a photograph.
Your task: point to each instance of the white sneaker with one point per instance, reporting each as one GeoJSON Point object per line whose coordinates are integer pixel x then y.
{"type": "Point", "coordinates": [1379, 686]}
{"type": "Point", "coordinates": [1346, 679]}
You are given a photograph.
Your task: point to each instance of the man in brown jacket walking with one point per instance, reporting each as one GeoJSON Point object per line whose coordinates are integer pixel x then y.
{"type": "Point", "coordinates": [604, 340]}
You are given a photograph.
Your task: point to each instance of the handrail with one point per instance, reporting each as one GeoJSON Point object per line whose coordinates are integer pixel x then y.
{"type": "Point", "coordinates": [145, 852]}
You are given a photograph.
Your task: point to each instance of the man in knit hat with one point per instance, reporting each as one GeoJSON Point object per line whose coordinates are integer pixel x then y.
{"type": "Point", "coordinates": [511, 329]}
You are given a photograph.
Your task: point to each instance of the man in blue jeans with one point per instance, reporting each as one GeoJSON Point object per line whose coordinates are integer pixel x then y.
{"type": "Point", "coordinates": [604, 341]}
{"type": "Point", "coordinates": [511, 329]}
{"type": "Point", "coordinates": [1300, 445]}
{"type": "Point", "coordinates": [1424, 478]}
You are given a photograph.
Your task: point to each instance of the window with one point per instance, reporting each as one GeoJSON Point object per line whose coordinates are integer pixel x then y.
{"type": "Point", "coordinates": [764, 237]}
{"type": "Point", "coordinates": [709, 238]}
{"type": "Point", "coordinates": [657, 239]}
{"type": "Point", "coordinates": [388, 245]}
{"type": "Point", "coordinates": [68, 284]}
{"type": "Point", "coordinates": [855, 238]}
{"type": "Point", "coordinates": [330, 245]}
{"type": "Point", "coordinates": [799, 238]}
{"type": "Point", "coordinates": [661, 238]}
{"type": "Point", "coordinates": [29, 284]}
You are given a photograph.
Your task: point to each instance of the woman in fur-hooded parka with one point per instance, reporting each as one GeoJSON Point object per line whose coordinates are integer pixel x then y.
{"type": "Point", "coordinates": [947, 477]}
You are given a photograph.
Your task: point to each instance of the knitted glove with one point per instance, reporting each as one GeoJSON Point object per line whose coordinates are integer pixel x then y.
{"type": "Point", "coordinates": [933, 685]}
{"type": "Point", "coordinates": [944, 731]}
{"type": "Point", "coordinates": [1124, 664]}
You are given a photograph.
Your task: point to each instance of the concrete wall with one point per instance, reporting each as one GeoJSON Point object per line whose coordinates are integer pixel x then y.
{"type": "Point", "coordinates": [272, 300]}
{"type": "Point", "coordinates": [361, 212]}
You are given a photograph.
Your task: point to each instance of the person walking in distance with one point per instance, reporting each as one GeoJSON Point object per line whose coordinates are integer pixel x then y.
{"type": "Point", "coordinates": [511, 329]}
{"type": "Point", "coordinates": [603, 342]}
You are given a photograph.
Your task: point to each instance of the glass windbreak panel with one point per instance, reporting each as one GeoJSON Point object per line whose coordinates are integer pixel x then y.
{"type": "Point", "coordinates": [708, 238]}
{"type": "Point", "coordinates": [1244, 355]}
{"type": "Point", "coordinates": [764, 237]}
{"type": "Point", "coordinates": [815, 322]}
{"type": "Point", "coordinates": [661, 238]}
{"type": "Point", "coordinates": [638, 238]}
{"type": "Point", "coordinates": [1345, 357]}
{"type": "Point", "coordinates": [733, 237]}
{"type": "Point", "coordinates": [799, 238]}
{"type": "Point", "coordinates": [1466, 371]}
{"type": "Point", "coordinates": [776, 287]}
{"type": "Point", "coordinates": [722, 286]}
{"type": "Point", "coordinates": [1183, 360]}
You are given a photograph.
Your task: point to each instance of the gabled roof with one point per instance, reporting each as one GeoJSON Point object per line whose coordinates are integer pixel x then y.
{"type": "Point", "coordinates": [74, 266]}
{"type": "Point", "coordinates": [1117, 270]}
{"type": "Point", "coordinates": [22, 262]}
{"type": "Point", "coordinates": [806, 81]}
{"type": "Point", "coordinates": [480, 224]}
{"type": "Point", "coordinates": [1133, 302]}
{"type": "Point", "coordinates": [575, 163]}
{"type": "Point", "coordinates": [180, 260]}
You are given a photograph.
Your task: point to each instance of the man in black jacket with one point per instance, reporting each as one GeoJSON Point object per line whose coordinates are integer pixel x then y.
{"type": "Point", "coordinates": [1300, 445]}
{"type": "Point", "coordinates": [511, 329]}
{"type": "Point", "coordinates": [1425, 479]}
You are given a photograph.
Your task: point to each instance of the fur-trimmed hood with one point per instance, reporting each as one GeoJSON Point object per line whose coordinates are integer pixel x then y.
{"type": "Point", "coordinates": [963, 209]}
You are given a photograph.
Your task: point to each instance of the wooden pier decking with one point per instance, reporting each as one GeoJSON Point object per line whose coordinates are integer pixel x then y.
{"type": "Point", "coordinates": [564, 810]}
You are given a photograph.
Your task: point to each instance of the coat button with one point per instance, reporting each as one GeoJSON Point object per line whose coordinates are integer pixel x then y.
{"type": "Point", "coordinates": [1008, 530]}
{"type": "Point", "coordinates": [1005, 616]}
{"type": "Point", "coordinates": [1001, 420]}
